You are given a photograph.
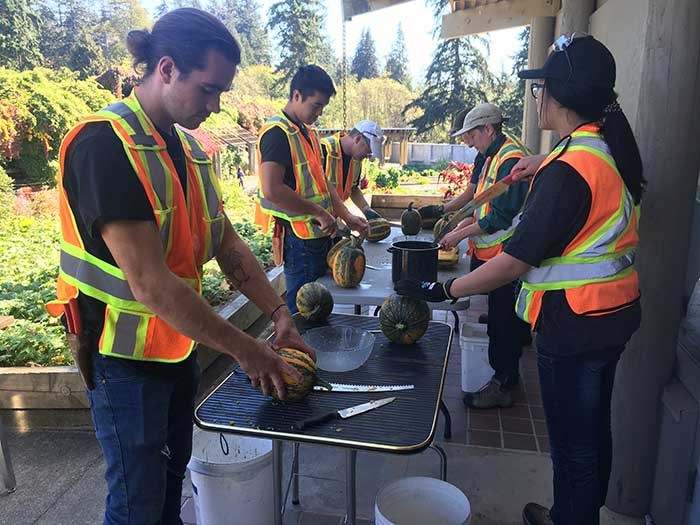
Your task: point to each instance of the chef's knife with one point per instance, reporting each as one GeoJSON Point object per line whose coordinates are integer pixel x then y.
{"type": "Point", "coordinates": [479, 200]}
{"type": "Point", "coordinates": [340, 387]}
{"type": "Point", "coordinates": [344, 414]}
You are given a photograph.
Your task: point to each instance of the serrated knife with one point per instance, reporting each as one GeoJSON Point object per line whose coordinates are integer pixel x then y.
{"type": "Point", "coordinates": [343, 414]}
{"type": "Point", "coordinates": [340, 387]}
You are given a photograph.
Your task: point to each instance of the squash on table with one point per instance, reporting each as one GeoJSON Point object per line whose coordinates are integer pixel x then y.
{"type": "Point", "coordinates": [448, 258]}
{"type": "Point", "coordinates": [404, 319]}
{"type": "Point", "coordinates": [348, 266]}
{"type": "Point", "coordinates": [303, 364]}
{"type": "Point", "coordinates": [342, 243]}
{"type": "Point", "coordinates": [379, 229]}
{"type": "Point", "coordinates": [314, 302]}
{"type": "Point", "coordinates": [440, 223]}
{"type": "Point", "coordinates": [410, 221]}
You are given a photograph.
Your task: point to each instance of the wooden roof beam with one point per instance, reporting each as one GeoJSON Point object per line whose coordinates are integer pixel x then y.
{"type": "Point", "coordinates": [495, 16]}
{"type": "Point", "coordinates": [357, 7]}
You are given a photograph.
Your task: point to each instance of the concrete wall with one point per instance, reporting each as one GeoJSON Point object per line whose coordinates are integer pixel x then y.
{"type": "Point", "coordinates": [431, 153]}
{"type": "Point", "coordinates": [626, 46]}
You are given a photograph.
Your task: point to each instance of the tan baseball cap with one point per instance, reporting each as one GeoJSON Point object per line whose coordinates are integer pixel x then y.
{"type": "Point", "coordinates": [481, 114]}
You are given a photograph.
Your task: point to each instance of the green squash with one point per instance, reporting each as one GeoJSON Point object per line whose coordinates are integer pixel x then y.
{"type": "Point", "coordinates": [410, 221]}
{"type": "Point", "coordinates": [314, 302]}
{"type": "Point", "coordinates": [404, 319]}
{"type": "Point", "coordinates": [307, 368]}
{"type": "Point", "coordinates": [349, 267]}
{"type": "Point", "coordinates": [379, 229]}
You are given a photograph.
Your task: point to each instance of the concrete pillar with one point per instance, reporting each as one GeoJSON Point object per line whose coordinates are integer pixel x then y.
{"type": "Point", "coordinates": [252, 159]}
{"type": "Point", "coordinates": [667, 124]}
{"type": "Point", "coordinates": [541, 37]}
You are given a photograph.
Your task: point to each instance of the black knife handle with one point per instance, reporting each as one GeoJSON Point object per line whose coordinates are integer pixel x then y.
{"type": "Point", "coordinates": [315, 420]}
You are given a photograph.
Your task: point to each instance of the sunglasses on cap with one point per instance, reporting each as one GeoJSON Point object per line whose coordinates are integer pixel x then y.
{"type": "Point", "coordinates": [368, 135]}
{"type": "Point", "coordinates": [560, 45]}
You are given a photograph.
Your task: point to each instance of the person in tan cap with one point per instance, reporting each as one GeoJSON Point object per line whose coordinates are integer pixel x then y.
{"type": "Point", "coordinates": [488, 230]}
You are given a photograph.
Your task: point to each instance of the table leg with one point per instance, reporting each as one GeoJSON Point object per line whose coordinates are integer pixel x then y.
{"type": "Point", "coordinates": [443, 460]}
{"type": "Point", "coordinates": [377, 309]}
{"type": "Point", "coordinates": [448, 420]}
{"type": "Point", "coordinates": [295, 475]}
{"type": "Point", "coordinates": [7, 474]}
{"type": "Point", "coordinates": [358, 309]}
{"type": "Point", "coordinates": [277, 480]}
{"type": "Point", "coordinates": [350, 469]}
{"type": "Point", "coordinates": [456, 316]}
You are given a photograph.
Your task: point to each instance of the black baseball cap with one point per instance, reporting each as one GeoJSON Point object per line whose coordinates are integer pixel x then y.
{"type": "Point", "coordinates": [580, 60]}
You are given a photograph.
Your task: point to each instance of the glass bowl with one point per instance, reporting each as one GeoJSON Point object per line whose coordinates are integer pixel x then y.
{"type": "Point", "coordinates": [340, 348]}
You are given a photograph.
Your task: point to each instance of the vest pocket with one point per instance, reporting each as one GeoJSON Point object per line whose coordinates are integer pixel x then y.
{"type": "Point", "coordinates": [125, 333]}
{"type": "Point", "coordinates": [216, 230]}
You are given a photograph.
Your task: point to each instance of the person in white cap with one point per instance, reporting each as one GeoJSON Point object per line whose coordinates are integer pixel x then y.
{"type": "Point", "coordinates": [488, 231]}
{"type": "Point", "coordinates": [343, 154]}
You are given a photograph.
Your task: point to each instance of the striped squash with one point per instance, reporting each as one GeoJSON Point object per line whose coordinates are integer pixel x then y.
{"type": "Point", "coordinates": [314, 302]}
{"type": "Point", "coordinates": [342, 243]}
{"type": "Point", "coordinates": [379, 229]}
{"type": "Point", "coordinates": [404, 319]}
{"type": "Point", "coordinates": [306, 367]}
{"type": "Point", "coordinates": [349, 267]}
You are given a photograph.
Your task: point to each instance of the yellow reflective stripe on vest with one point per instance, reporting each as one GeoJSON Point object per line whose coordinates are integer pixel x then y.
{"type": "Point", "coordinates": [498, 237]}
{"type": "Point", "coordinates": [133, 125]}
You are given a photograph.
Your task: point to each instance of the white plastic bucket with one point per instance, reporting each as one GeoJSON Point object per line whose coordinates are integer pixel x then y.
{"type": "Point", "coordinates": [476, 370]}
{"type": "Point", "coordinates": [234, 488]}
{"type": "Point", "coordinates": [421, 501]}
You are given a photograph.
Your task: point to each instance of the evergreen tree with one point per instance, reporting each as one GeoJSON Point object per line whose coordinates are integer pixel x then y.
{"type": "Point", "coordinates": [509, 94]}
{"type": "Point", "coordinates": [300, 36]}
{"type": "Point", "coordinates": [364, 63]}
{"type": "Point", "coordinates": [457, 78]}
{"type": "Point", "coordinates": [397, 60]}
{"type": "Point", "coordinates": [19, 35]}
{"type": "Point", "coordinates": [162, 8]}
{"type": "Point", "coordinates": [242, 17]}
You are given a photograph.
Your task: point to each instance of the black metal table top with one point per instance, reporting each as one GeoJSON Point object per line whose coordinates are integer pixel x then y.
{"type": "Point", "coordinates": [405, 426]}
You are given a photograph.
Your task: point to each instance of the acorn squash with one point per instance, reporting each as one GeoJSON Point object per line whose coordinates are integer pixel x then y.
{"type": "Point", "coordinates": [404, 319]}
{"type": "Point", "coordinates": [348, 266]}
{"type": "Point", "coordinates": [410, 221]}
{"type": "Point", "coordinates": [314, 302]}
{"type": "Point", "coordinates": [379, 229]}
{"type": "Point", "coordinates": [306, 367]}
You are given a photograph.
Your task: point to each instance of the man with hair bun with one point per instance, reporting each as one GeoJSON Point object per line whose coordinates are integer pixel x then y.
{"type": "Point", "coordinates": [141, 212]}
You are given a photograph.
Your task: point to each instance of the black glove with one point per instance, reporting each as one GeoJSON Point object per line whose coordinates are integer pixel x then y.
{"type": "Point", "coordinates": [431, 212]}
{"type": "Point", "coordinates": [371, 214]}
{"type": "Point", "coordinates": [433, 292]}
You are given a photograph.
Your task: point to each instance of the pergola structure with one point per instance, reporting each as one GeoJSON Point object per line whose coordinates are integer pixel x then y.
{"type": "Point", "coordinates": [233, 136]}
{"type": "Point", "coordinates": [400, 135]}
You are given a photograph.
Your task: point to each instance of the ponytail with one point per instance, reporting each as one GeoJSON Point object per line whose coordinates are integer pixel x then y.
{"type": "Point", "coordinates": [599, 103]}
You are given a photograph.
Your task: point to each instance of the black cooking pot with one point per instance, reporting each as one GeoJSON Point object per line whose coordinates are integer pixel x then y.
{"type": "Point", "coordinates": [414, 260]}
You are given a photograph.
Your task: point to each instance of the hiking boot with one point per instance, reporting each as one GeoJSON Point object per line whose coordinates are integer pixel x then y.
{"type": "Point", "coordinates": [492, 395]}
{"type": "Point", "coordinates": [534, 514]}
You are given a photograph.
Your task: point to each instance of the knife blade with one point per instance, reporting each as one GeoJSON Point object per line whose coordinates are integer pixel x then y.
{"type": "Point", "coordinates": [479, 200]}
{"type": "Point", "coordinates": [344, 413]}
{"type": "Point", "coordinates": [341, 387]}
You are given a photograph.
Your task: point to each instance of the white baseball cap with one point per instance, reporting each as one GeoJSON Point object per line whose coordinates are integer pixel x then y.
{"type": "Point", "coordinates": [374, 134]}
{"type": "Point", "coordinates": [481, 114]}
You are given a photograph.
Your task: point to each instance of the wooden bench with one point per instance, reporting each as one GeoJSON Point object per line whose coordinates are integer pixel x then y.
{"type": "Point", "coordinates": [392, 206]}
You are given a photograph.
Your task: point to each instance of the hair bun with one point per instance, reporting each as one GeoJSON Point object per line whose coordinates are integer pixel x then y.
{"type": "Point", "coordinates": [138, 42]}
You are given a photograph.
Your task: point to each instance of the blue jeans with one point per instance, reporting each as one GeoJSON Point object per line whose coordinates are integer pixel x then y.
{"type": "Point", "coordinates": [304, 262]}
{"type": "Point", "coordinates": [143, 422]}
{"type": "Point", "coordinates": [576, 392]}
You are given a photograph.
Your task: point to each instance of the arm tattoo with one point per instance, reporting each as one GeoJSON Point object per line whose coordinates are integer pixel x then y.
{"type": "Point", "coordinates": [231, 263]}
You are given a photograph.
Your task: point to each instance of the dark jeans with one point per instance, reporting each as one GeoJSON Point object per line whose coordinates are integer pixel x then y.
{"type": "Point", "coordinates": [304, 262]}
{"type": "Point", "coordinates": [143, 422]}
{"type": "Point", "coordinates": [576, 392]}
{"type": "Point", "coordinates": [506, 332]}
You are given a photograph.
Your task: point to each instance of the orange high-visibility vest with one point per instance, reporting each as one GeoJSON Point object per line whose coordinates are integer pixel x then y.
{"type": "Point", "coordinates": [596, 270]}
{"type": "Point", "coordinates": [334, 167]}
{"type": "Point", "coordinates": [191, 229]}
{"type": "Point", "coordinates": [487, 245]}
{"type": "Point", "coordinates": [309, 176]}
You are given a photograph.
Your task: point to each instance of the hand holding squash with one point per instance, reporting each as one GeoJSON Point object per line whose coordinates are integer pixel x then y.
{"type": "Point", "coordinates": [266, 369]}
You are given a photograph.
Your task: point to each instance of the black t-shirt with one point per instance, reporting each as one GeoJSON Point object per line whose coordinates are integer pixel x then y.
{"type": "Point", "coordinates": [102, 186]}
{"type": "Point", "coordinates": [274, 147]}
{"type": "Point", "coordinates": [555, 211]}
{"type": "Point", "coordinates": [479, 162]}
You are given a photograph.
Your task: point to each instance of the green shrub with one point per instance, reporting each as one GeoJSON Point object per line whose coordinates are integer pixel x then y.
{"type": "Point", "coordinates": [7, 195]}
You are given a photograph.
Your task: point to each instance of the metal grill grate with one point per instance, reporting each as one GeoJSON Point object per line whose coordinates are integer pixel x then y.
{"type": "Point", "coordinates": [406, 425]}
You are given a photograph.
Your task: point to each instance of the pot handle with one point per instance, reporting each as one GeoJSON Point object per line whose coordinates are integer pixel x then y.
{"type": "Point", "coordinates": [391, 249]}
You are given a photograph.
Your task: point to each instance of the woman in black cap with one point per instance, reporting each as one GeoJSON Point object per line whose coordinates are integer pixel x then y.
{"type": "Point", "coordinates": [574, 252]}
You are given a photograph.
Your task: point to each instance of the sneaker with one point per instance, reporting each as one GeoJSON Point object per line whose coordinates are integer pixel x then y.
{"type": "Point", "coordinates": [492, 395]}
{"type": "Point", "coordinates": [534, 514]}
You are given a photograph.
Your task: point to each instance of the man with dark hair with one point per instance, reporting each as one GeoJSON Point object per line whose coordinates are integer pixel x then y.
{"type": "Point", "coordinates": [295, 200]}
{"type": "Point", "coordinates": [343, 154]}
{"type": "Point", "coordinates": [141, 213]}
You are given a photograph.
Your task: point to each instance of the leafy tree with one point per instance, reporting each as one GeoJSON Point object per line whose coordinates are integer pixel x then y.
{"type": "Point", "coordinates": [19, 35]}
{"type": "Point", "coordinates": [242, 17]}
{"type": "Point", "coordinates": [162, 8]}
{"type": "Point", "coordinates": [397, 60]}
{"type": "Point", "coordinates": [364, 63]}
{"type": "Point", "coordinates": [300, 36]}
{"type": "Point", "coordinates": [457, 78]}
{"type": "Point", "coordinates": [510, 92]}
